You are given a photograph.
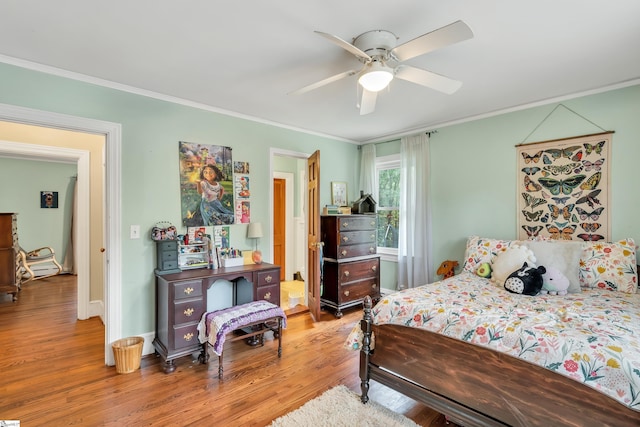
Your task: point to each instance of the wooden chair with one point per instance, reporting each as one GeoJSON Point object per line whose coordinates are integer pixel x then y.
{"type": "Point", "coordinates": [44, 255]}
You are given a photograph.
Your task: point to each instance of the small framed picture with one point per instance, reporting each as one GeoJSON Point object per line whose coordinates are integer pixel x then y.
{"type": "Point", "coordinates": [49, 199]}
{"type": "Point", "coordinates": [339, 193]}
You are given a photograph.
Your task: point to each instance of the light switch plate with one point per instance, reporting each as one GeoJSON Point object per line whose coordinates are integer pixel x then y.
{"type": "Point", "coordinates": [134, 232]}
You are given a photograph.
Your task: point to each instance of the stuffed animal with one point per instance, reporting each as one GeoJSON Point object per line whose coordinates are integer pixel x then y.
{"type": "Point", "coordinates": [509, 261]}
{"type": "Point", "coordinates": [446, 268]}
{"type": "Point", "coordinates": [554, 282]}
{"type": "Point", "coordinates": [484, 270]}
{"type": "Point", "coordinates": [527, 280]}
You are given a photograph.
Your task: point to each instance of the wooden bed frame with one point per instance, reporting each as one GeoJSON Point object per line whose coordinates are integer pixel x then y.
{"type": "Point", "coordinates": [476, 386]}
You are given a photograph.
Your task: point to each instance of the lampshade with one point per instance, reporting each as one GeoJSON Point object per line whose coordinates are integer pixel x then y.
{"type": "Point", "coordinates": [376, 77]}
{"type": "Point", "coordinates": [254, 231]}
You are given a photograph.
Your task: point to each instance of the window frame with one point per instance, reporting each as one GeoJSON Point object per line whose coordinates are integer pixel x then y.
{"type": "Point", "coordinates": [387, 162]}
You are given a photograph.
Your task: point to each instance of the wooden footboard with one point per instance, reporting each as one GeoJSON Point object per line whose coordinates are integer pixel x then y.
{"type": "Point", "coordinates": [477, 386]}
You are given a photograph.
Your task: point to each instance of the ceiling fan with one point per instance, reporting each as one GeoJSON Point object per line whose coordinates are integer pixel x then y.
{"type": "Point", "coordinates": [382, 61]}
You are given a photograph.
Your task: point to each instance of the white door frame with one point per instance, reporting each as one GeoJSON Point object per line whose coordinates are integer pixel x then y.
{"type": "Point", "coordinates": [112, 214]}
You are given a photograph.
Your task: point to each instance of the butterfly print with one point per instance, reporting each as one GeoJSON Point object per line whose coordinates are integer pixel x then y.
{"type": "Point", "coordinates": [590, 226]}
{"type": "Point", "coordinates": [531, 170]}
{"type": "Point", "coordinates": [563, 169]}
{"type": "Point", "coordinates": [590, 199]}
{"type": "Point", "coordinates": [532, 230]}
{"type": "Point", "coordinates": [560, 200]}
{"type": "Point", "coordinates": [531, 186]}
{"type": "Point", "coordinates": [565, 186]}
{"type": "Point", "coordinates": [561, 233]}
{"type": "Point", "coordinates": [546, 160]}
{"type": "Point", "coordinates": [591, 182]}
{"type": "Point", "coordinates": [565, 211]}
{"type": "Point", "coordinates": [545, 195]}
{"type": "Point", "coordinates": [556, 153]}
{"type": "Point", "coordinates": [577, 157]}
{"type": "Point", "coordinates": [545, 218]}
{"type": "Point", "coordinates": [561, 225]}
{"type": "Point", "coordinates": [592, 165]}
{"type": "Point", "coordinates": [574, 218]}
{"type": "Point", "coordinates": [584, 215]}
{"type": "Point", "coordinates": [532, 201]}
{"type": "Point", "coordinates": [597, 148]}
{"type": "Point", "coordinates": [532, 216]}
{"type": "Point", "coordinates": [590, 237]}
{"type": "Point", "coordinates": [535, 158]}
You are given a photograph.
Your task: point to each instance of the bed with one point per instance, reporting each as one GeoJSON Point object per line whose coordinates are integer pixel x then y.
{"type": "Point", "coordinates": [469, 349]}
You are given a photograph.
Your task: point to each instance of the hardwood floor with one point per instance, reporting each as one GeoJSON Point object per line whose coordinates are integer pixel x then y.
{"type": "Point", "coordinates": [53, 371]}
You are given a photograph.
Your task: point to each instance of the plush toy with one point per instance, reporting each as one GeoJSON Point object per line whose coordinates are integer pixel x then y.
{"type": "Point", "coordinates": [508, 261]}
{"type": "Point", "coordinates": [527, 280]}
{"type": "Point", "coordinates": [484, 270]}
{"type": "Point", "coordinates": [446, 268]}
{"type": "Point", "coordinates": [554, 282]}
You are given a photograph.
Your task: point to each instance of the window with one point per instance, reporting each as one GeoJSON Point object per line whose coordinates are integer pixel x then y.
{"type": "Point", "coordinates": [388, 209]}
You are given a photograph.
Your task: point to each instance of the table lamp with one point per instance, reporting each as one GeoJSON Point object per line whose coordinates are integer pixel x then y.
{"type": "Point", "coordinates": [255, 232]}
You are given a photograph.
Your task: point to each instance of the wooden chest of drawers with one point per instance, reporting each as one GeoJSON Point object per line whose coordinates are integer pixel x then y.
{"type": "Point", "coordinates": [351, 268]}
{"type": "Point", "coordinates": [181, 300]}
{"type": "Point", "coordinates": [9, 259]}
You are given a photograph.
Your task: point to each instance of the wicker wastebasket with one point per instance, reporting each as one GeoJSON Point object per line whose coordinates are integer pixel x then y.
{"type": "Point", "coordinates": [127, 352]}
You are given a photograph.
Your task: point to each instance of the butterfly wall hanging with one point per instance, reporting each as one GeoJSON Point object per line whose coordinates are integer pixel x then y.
{"type": "Point", "coordinates": [564, 188]}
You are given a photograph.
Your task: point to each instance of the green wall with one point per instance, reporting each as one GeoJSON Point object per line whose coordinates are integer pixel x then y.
{"type": "Point", "coordinates": [151, 130]}
{"type": "Point", "coordinates": [22, 181]}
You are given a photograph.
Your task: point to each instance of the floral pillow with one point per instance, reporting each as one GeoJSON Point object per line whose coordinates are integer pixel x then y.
{"type": "Point", "coordinates": [609, 266]}
{"type": "Point", "coordinates": [480, 250]}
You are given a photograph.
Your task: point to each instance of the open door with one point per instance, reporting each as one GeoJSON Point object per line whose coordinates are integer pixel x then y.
{"type": "Point", "coordinates": [313, 235]}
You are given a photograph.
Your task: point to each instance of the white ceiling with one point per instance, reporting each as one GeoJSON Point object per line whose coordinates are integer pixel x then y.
{"type": "Point", "coordinates": [244, 57]}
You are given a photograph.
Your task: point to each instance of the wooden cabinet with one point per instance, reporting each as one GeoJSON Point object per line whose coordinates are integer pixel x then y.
{"type": "Point", "coordinates": [351, 266]}
{"type": "Point", "coordinates": [181, 300]}
{"type": "Point", "coordinates": [9, 258]}
{"type": "Point", "coordinates": [167, 256]}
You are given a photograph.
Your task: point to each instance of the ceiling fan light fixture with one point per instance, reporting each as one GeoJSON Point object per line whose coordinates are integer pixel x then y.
{"type": "Point", "coordinates": [376, 77]}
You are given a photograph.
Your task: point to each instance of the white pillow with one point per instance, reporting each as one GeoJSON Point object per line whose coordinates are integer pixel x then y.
{"type": "Point", "coordinates": [564, 256]}
{"type": "Point", "coordinates": [509, 261]}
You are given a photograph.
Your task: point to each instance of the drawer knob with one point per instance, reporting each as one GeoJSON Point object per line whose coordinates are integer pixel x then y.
{"type": "Point", "coordinates": [373, 236]}
{"type": "Point", "coordinates": [346, 293]}
{"type": "Point", "coordinates": [345, 239]}
{"type": "Point", "coordinates": [374, 268]}
{"type": "Point", "coordinates": [344, 252]}
{"type": "Point", "coordinates": [346, 273]}
{"type": "Point", "coordinates": [345, 224]}
{"type": "Point", "coordinates": [188, 312]}
{"type": "Point", "coordinates": [267, 296]}
{"type": "Point", "coordinates": [268, 279]}
{"type": "Point", "coordinates": [372, 250]}
{"type": "Point", "coordinates": [188, 337]}
{"type": "Point", "coordinates": [372, 223]}
{"type": "Point", "coordinates": [188, 290]}
{"type": "Point", "coordinates": [374, 286]}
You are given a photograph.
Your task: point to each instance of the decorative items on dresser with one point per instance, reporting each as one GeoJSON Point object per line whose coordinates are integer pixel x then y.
{"type": "Point", "coordinates": [9, 255]}
{"type": "Point", "coordinates": [351, 265]}
{"type": "Point", "coordinates": [181, 300]}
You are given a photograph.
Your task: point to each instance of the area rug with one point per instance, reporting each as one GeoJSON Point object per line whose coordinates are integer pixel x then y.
{"type": "Point", "coordinates": [342, 407]}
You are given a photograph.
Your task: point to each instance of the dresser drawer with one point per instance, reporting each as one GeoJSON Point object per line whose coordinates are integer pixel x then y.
{"type": "Point", "coordinates": [269, 293]}
{"type": "Point", "coordinates": [351, 251]}
{"type": "Point", "coordinates": [354, 291]}
{"type": "Point", "coordinates": [266, 278]}
{"type": "Point", "coordinates": [169, 256]}
{"type": "Point", "coordinates": [352, 222]}
{"type": "Point", "coordinates": [185, 336]}
{"type": "Point", "coordinates": [187, 289]}
{"type": "Point", "coordinates": [188, 311]}
{"type": "Point", "coordinates": [355, 237]}
{"type": "Point", "coordinates": [358, 270]}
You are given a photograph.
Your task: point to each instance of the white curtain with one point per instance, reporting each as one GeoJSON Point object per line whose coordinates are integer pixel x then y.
{"type": "Point", "coordinates": [368, 177]}
{"type": "Point", "coordinates": [414, 242]}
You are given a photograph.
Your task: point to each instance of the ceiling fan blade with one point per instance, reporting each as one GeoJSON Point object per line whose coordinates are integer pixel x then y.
{"type": "Point", "coordinates": [345, 45]}
{"type": "Point", "coordinates": [324, 82]}
{"type": "Point", "coordinates": [449, 34]}
{"type": "Point", "coordinates": [427, 78]}
{"type": "Point", "coordinates": [368, 102]}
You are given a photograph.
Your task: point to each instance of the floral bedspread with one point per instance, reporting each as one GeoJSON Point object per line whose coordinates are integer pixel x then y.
{"type": "Point", "coordinates": [592, 337]}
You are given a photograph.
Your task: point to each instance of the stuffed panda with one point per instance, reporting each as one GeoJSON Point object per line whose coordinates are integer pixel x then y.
{"type": "Point", "coordinates": [527, 280]}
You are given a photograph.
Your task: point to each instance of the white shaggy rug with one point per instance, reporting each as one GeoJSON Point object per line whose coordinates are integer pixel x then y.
{"type": "Point", "coordinates": [340, 406]}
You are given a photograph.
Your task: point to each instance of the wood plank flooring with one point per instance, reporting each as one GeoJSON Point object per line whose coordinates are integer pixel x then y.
{"type": "Point", "coordinates": [53, 372]}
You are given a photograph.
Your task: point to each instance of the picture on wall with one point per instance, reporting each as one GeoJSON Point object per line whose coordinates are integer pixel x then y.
{"type": "Point", "coordinates": [49, 199]}
{"type": "Point", "coordinates": [206, 186]}
{"type": "Point", "coordinates": [563, 188]}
